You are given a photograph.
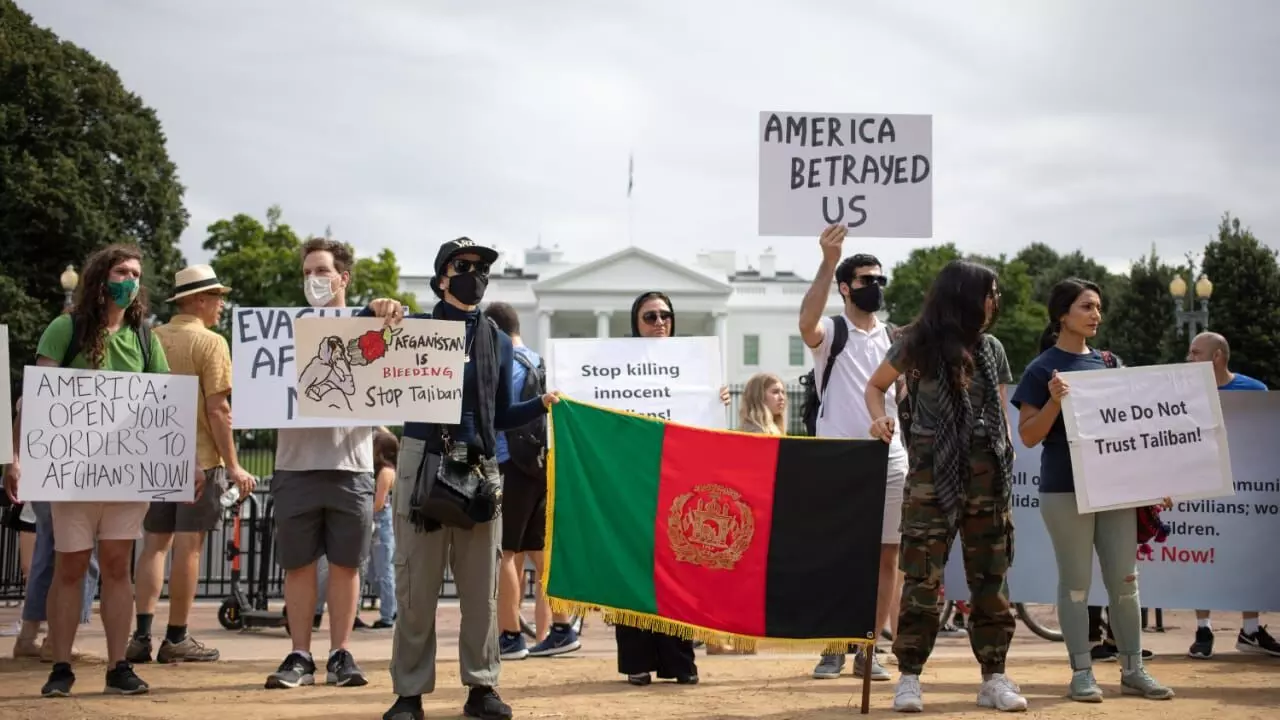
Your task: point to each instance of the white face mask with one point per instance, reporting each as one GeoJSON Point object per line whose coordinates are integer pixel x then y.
{"type": "Point", "coordinates": [319, 291]}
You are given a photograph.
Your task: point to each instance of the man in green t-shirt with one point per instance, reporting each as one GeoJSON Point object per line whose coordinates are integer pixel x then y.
{"type": "Point", "coordinates": [105, 330]}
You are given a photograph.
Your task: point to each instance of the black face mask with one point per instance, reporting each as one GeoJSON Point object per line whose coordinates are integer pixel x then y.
{"type": "Point", "coordinates": [868, 299]}
{"type": "Point", "coordinates": [468, 288]}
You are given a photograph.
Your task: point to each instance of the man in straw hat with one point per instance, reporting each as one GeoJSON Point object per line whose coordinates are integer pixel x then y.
{"type": "Point", "coordinates": [192, 349]}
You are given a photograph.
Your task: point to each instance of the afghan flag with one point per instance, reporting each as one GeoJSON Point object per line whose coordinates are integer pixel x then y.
{"type": "Point", "coordinates": [706, 533]}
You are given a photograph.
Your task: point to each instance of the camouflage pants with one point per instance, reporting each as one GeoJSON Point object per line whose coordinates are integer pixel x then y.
{"type": "Point", "coordinates": [985, 526]}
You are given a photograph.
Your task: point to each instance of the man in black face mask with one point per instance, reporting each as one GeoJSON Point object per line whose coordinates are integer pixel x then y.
{"type": "Point", "coordinates": [435, 524]}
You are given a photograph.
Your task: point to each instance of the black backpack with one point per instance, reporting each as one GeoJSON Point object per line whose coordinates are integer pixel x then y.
{"type": "Point", "coordinates": [811, 405]}
{"type": "Point", "coordinates": [142, 330]}
{"type": "Point", "coordinates": [527, 444]}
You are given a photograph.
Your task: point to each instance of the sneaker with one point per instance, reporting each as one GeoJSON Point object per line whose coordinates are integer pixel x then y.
{"type": "Point", "coordinates": [1001, 693]}
{"type": "Point", "coordinates": [342, 670]}
{"type": "Point", "coordinates": [297, 669]}
{"type": "Point", "coordinates": [1258, 642]}
{"type": "Point", "coordinates": [1140, 682]}
{"type": "Point", "coordinates": [60, 681]}
{"type": "Point", "coordinates": [406, 708]}
{"type": "Point", "coordinates": [562, 639]}
{"type": "Point", "coordinates": [1202, 648]}
{"type": "Point", "coordinates": [829, 667]}
{"type": "Point", "coordinates": [359, 624]}
{"type": "Point", "coordinates": [1084, 687]}
{"type": "Point", "coordinates": [139, 650]}
{"type": "Point", "coordinates": [186, 650]}
{"type": "Point", "coordinates": [381, 624]}
{"type": "Point", "coordinates": [1104, 652]}
{"type": "Point", "coordinates": [484, 703]}
{"type": "Point", "coordinates": [511, 646]}
{"type": "Point", "coordinates": [951, 631]}
{"type": "Point", "coordinates": [121, 680]}
{"type": "Point", "coordinates": [877, 670]}
{"type": "Point", "coordinates": [907, 698]}
{"type": "Point", "coordinates": [639, 679]}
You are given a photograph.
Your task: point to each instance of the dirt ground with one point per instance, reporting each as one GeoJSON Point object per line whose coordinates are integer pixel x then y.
{"type": "Point", "coordinates": [774, 684]}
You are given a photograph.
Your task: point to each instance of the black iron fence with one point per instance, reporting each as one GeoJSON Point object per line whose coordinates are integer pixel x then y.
{"type": "Point", "coordinates": [257, 455]}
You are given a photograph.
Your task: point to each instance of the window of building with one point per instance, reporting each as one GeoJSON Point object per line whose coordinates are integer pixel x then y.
{"type": "Point", "coordinates": [795, 349]}
{"type": "Point", "coordinates": [751, 350]}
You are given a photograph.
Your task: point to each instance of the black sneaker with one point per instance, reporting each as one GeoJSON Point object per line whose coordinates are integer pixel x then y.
{"type": "Point", "coordinates": [1258, 642]}
{"type": "Point", "coordinates": [296, 670]}
{"type": "Point", "coordinates": [60, 681]}
{"type": "Point", "coordinates": [1202, 648]}
{"type": "Point", "coordinates": [343, 671]}
{"type": "Point", "coordinates": [406, 708]}
{"type": "Point", "coordinates": [484, 703]}
{"type": "Point", "coordinates": [1104, 652]}
{"type": "Point", "coordinates": [121, 680]}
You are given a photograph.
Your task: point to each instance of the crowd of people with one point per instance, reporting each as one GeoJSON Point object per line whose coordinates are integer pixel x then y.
{"type": "Point", "coordinates": [472, 496]}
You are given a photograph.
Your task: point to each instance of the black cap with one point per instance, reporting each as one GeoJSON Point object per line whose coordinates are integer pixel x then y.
{"type": "Point", "coordinates": [460, 246]}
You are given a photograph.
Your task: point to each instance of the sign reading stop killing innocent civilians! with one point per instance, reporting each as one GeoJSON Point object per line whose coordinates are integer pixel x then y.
{"type": "Point", "coordinates": [674, 379]}
{"type": "Point", "coordinates": [107, 436]}
{"type": "Point", "coordinates": [871, 173]}
{"type": "Point", "coordinates": [1144, 433]}
{"type": "Point", "coordinates": [363, 368]}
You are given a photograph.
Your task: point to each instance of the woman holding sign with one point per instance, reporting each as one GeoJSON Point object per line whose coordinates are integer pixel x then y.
{"type": "Point", "coordinates": [1075, 311]}
{"type": "Point", "coordinates": [641, 652]}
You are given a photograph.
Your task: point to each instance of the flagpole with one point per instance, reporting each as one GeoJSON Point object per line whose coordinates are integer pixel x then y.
{"type": "Point", "coordinates": [631, 208]}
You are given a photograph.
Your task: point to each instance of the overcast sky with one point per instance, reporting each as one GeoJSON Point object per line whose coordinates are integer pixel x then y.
{"type": "Point", "coordinates": [1090, 125]}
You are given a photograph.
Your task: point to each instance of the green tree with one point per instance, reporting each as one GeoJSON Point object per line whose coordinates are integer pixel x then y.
{"type": "Point", "coordinates": [82, 165]}
{"type": "Point", "coordinates": [380, 277]}
{"type": "Point", "coordinates": [26, 319]}
{"type": "Point", "coordinates": [1243, 307]}
{"type": "Point", "coordinates": [1139, 320]}
{"type": "Point", "coordinates": [911, 279]}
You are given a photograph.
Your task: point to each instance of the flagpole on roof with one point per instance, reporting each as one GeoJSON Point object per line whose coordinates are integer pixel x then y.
{"type": "Point", "coordinates": [631, 215]}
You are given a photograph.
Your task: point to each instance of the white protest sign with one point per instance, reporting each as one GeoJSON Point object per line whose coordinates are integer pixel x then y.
{"type": "Point", "coordinates": [6, 401]}
{"type": "Point", "coordinates": [363, 368]}
{"type": "Point", "coordinates": [107, 436]}
{"type": "Point", "coordinates": [263, 377]}
{"type": "Point", "coordinates": [1144, 433]}
{"type": "Point", "coordinates": [1214, 546]}
{"type": "Point", "coordinates": [871, 173]}
{"type": "Point", "coordinates": [675, 378]}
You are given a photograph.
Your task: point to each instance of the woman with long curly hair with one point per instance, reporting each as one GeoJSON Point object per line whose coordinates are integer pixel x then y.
{"type": "Point", "coordinates": [105, 330]}
{"type": "Point", "coordinates": [961, 476]}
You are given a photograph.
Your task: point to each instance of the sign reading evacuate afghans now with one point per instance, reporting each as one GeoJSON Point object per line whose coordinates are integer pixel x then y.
{"type": "Point", "coordinates": [363, 368]}
{"type": "Point", "coordinates": [871, 173]}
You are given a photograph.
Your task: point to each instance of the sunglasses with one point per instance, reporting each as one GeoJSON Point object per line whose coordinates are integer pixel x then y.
{"type": "Point", "coordinates": [868, 280]}
{"type": "Point", "coordinates": [462, 266]}
{"type": "Point", "coordinates": [653, 316]}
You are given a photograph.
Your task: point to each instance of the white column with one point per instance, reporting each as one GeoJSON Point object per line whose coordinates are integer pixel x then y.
{"type": "Point", "coordinates": [722, 332]}
{"type": "Point", "coordinates": [602, 323]}
{"type": "Point", "coordinates": [544, 329]}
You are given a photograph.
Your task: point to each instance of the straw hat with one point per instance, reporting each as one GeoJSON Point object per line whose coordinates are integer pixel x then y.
{"type": "Point", "coordinates": [196, 279]}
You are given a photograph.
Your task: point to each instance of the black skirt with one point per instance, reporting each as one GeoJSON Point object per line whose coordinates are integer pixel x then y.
{"type": "Point", "coordinates": [645, 651]}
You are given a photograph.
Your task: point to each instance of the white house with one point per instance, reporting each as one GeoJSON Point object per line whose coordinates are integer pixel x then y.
{"type": "Point", "coordinates": [754, 312]}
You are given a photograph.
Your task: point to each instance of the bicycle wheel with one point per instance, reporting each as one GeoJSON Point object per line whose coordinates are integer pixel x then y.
{"type": "Point", "coordinates": [1040, 622]}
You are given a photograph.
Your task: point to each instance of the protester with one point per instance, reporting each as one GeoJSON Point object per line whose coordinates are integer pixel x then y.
{"type": "Point", "coordinates": [961, 477]}
{"type": "Point", "coordinates": [1075, 311]}
{"type": "Point", "coordinates": [105, 330]}
{"type": "Point", "coordinates": [385, 449]}
{"type": "Point", "coordinates": [428, 537]}
{"type": "Point", "coordinates": [1213, 348]}
{"type": "Point", "coordinates": [191, 349]}
{"type": "Point", "coordinates": [322, 492]}
{"type": "Point", "coordinates": [40, 582]}
{"type": "Point", "coordinates": [852, 351]}
{"type": "Point", "coordinates": [641, 652]}
{"type": "Point", "coordinates": [521, 458]}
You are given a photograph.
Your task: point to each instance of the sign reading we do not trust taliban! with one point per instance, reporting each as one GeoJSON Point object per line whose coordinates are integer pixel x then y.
{"type": "Point", "coordinates": [107, 436]}
{"type": "Point", "coordinates": [871, 173]}
{"type": "Point", "coordinates": [362, 368]}
{"type": "Point", "coordinates": [668, 378]}
{"type": "Point", "coordinates": [1141, 434]}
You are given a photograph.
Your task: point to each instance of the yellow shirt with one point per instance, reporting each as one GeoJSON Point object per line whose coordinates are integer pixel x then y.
{"type": "Point", "coordinates": [193, 349]}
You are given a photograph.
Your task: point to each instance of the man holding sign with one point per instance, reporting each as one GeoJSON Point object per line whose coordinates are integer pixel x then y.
{"type": "Point", "coordinates": [105, 330]}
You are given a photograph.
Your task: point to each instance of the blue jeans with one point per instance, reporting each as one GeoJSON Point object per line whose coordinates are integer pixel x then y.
{"type": "Point", "coordinates": [33, 608]}
{"type": "Point", "coordinates": [382, 570]}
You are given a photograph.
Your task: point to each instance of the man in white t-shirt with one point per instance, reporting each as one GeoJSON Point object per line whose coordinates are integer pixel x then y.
{"type": "Point", "coordinates": [843, 411]}
{"type": "Point", "coordinates": [322, 494]}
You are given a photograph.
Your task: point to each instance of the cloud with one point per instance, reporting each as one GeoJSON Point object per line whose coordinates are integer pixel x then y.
{"type": "Point", "coordinates": [1093, 125]}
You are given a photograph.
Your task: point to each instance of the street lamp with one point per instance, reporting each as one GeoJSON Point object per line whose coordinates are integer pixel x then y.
{"type": "Point", "coordinates": [69, 280]}
{"type": "Point", "coordinates": [1187, 318]}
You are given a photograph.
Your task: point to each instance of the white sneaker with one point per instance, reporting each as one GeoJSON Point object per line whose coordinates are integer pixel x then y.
{"type": "Point", "coordinates": [1001, 693]}
{"type": "Point", "coordinates": [907, 697]}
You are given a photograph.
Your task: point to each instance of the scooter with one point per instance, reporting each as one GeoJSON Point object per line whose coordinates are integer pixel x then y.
{"type": "Point", "coordinates": [250, 608]}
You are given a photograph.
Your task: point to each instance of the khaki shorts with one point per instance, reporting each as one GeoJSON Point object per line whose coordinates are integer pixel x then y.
{"type": "Point", "coordinates": [78, 525]}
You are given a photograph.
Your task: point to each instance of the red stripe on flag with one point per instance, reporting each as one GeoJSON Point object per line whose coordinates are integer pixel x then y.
{"type": "Point", "coordinates": [700, 526]}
